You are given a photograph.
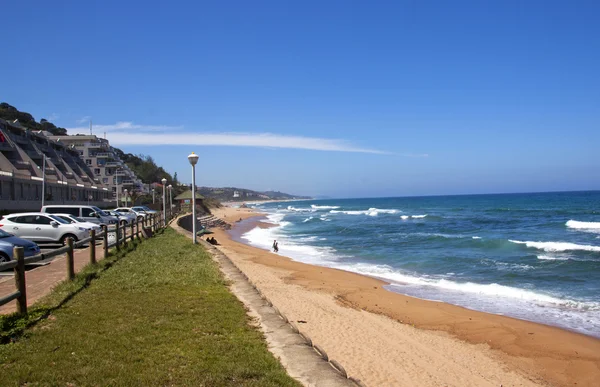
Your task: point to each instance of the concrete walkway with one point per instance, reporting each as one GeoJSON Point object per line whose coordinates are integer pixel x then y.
{"type": "Point", "coordinates": [41, 280]}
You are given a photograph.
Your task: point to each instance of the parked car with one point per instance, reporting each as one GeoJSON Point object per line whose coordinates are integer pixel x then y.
{"type": "Point", "coordinates": [123, 217]}
{"type": "Point", "coordinates": [9, 241]}
{"type": "Point", "coordinates": [80, 222]}
{"type": "Point", "coordinates": [129, 210]}
{"type": "Point", "coordinates": [88, 213]}
{"type": "Point", "coordinates": [42, 227]}
{"type": "Point", "coordinates": [144, 209]}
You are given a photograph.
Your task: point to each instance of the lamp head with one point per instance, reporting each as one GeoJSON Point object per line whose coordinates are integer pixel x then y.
{"type": "Point", "coordinates": [169, 186]}
{"type": "Point", "coordinates": [164, 181]}
{"type": "Point", "coordinates": [193, 158]}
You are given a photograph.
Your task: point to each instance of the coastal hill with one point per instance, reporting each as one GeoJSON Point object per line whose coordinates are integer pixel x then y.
{"type": "Point", "coordinates": [232, 194]}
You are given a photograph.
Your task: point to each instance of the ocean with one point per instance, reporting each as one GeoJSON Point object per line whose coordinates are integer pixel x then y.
{"type": "Point", "coordinates": [531, 256]}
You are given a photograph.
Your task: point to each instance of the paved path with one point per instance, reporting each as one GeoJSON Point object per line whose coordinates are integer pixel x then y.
{"type": "Point", "coordinates": [41, 280]}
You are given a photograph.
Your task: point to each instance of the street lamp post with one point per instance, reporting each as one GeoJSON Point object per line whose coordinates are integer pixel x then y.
{"type": "Point", "coordinates": [193, 159]}
{"type": "Point", "coordinates": [153, 195]}
{"type": "Point", "coordinates": [43, 180]}
{"type": "Point", "coordinates": [164, 183]}
{"type": "Point", "coordinates": [125, 193]}
{"type": "Point", "coordinates": [117, 184]}
{"type": "Point", "coordinates": [170, 187]}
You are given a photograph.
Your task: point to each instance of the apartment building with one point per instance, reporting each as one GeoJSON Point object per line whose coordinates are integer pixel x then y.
{"type": "Point", "coordinates": [105, 165]}
{"type": "Point", "coordinates": [31, 162]}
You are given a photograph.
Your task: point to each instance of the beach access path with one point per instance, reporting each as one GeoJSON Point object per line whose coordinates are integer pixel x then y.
{"type": "Point", "coordinates": [384, 338]}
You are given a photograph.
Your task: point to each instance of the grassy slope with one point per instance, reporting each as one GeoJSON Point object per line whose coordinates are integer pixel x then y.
{"type": "Point", "coordinates": [160, 316]}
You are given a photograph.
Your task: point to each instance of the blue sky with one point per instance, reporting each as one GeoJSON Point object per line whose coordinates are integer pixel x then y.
{"type": "Point", "coordinates": [337, 98]}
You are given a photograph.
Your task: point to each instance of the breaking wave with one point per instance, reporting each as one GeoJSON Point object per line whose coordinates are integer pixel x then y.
{"type": "Point", "coordinates": [557, 246]}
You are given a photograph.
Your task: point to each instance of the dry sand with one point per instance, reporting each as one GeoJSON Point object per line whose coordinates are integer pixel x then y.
{"type": "Point", "coordinates": [387, 339]}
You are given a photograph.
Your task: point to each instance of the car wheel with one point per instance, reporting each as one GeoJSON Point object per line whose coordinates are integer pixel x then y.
{"type": "Point", "coordinates": [4, 258]}
{"type": "Point", "coordinates": [64, 238]}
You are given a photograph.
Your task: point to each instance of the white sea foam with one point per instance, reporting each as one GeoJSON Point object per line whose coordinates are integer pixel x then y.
{"type": "Point", "coordinates": [369, 212]}
{"type": "Point", "coordinates": [558, 246]}
{"type": "Point", "coordinates": [552, 258]}
{"type": "Point", "coordinates": [405, 217]}
{"type": "Point", "coordinates": [308, 219]}
{"type": "Point", "coordinates": [476, 237]}
{"type": "Point", "coordinates": [324, 207]}
{"type": "Point", "coordinates": [294, 209]}
{"type": "Point", "coordinates": [583, 225]}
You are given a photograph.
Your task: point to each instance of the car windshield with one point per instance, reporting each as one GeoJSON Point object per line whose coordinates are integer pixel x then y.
{"type": "Point", "coordinates": [4, 234]}
{"type": "Point", "coordinates": [145, 208]}
{"type": "Point", "coordinates": [59, 220]}
{"type": "Point", "coordinates": [76, 219]}
{"type": "Point", "coordinates": [138, 208]}
{"type": "Point", "coordinates": [99, 211]}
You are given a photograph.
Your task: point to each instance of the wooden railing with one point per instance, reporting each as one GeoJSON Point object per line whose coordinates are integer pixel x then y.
{"type": "Point", "coordinates": [145, 227]}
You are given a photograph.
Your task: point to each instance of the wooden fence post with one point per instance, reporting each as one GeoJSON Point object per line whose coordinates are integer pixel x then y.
{"type": "Point", "coordinates": [70, 259]}
{"type": "Point", "coordinates": [139, 230]}
{"type": "Point", "coordinates": [18, 254]}
{"type": "Point", "coordinates": [131, 230]}
{"type": "Point", "coordinates": [93, 247]}
{"type": "Point", "coordinates": [105, 242]}
{"type": "Point", "coordinates": [118, 232]}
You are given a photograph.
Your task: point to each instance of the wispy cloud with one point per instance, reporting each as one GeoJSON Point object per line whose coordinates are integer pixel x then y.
{"type": "Point", "coordinates": [53, 117]}
{"type": "Point", "coordinates": [129, 133]}
{"type": "Point", "coordinates": [123, 126]}
{"type": "Point", "coordinates": [267, 140]}
{"type": "Point", "coordinates": [83, 120]}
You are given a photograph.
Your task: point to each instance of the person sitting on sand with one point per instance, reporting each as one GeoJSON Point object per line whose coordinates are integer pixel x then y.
{"type": "Point", "coordinates": [275, 246]}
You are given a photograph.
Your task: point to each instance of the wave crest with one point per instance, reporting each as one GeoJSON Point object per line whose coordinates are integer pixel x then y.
{"type": "Point", "coordinates": [583, 225]}
{"type": "Point", "coordinates": [557, 246]}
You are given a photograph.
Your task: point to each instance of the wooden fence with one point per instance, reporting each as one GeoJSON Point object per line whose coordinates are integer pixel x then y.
{"type": "Point", "coordinates": [145, 227]}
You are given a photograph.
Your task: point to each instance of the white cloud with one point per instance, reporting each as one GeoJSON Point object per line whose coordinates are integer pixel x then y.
{"type": "Point", "coordinates": [268, 140]}
{"type": "Point", "coordinates": [122, 126]}
{"type": "Point", "coordinates": [83, 120]}
{"type": "Point", "coordinates": [128, 133]}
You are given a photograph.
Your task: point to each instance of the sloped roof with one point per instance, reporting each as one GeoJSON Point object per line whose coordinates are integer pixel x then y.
{"type": "Point", "coordinates": [188, 195]}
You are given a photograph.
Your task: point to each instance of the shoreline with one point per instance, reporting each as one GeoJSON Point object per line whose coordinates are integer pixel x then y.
{"type": "Point", "coordinates": [537, 352]}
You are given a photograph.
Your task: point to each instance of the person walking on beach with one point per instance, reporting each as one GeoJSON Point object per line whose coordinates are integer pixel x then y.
{"type": "Point", "coordinates": [275, 246]}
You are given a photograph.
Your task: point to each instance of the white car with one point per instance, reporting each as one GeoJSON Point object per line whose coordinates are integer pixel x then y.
{"type": "Point", "coordinates": [80, 222]}
{"type": "Point", "coordinates": [128, 210]}
{"type": "Point", "coordinates": [42, 227]}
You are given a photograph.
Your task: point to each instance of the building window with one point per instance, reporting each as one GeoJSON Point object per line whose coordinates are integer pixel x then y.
{"type": "Point", "coordinates": [88, 162]}
{"type": "Point", "coordinates": [105, 180]}
{"type": "Point", "coordinates": [96, 171]}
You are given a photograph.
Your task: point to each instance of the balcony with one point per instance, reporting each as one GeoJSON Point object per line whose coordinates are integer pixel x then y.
{"type": "Point", "coordinates": [50, 171]}
{"type": "Point", "coordinates": [103, 154]}
{"type": "Point", "coordinates": [33, 154]}
{"type": "Point", "coordinates": [69, 175]}
{"type": "Point", "coordinates": [5, 146]}
{"type": "Point", "coordinates": [114, 164]}
{"type": "Point", "coordinates": [127, 182]}
{"type": "Point", "coordinates": [20, 139]}
{"type": "Point", "coordinates": [19, 164]}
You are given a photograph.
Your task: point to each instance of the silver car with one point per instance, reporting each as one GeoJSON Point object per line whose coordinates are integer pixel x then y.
{"type": "Point", "coordinates": [42, 227]}
{"type": "Point", "coordinates": [125, 218]}
{"type": "Point", "coordinates": [8, 242]}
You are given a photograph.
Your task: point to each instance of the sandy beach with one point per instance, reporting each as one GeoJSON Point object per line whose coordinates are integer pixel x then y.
{"type": "Point", "coordinates": [388, 339]}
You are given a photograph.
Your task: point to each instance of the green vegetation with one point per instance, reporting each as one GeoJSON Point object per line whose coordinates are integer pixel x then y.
{"type": "Point", "coordinates": [226, 194]}
{"type": "Point", "coordinates": [10, 113]}
{"type": "Point", "coordinates": [162, 315]}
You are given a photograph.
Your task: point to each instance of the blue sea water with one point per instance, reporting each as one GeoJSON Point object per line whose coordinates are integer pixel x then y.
{"type": "Point", "coordinates": [529, 256]}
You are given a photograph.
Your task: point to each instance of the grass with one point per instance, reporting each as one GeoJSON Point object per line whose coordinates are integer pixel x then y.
{"type": "Point", "coordinates": [162, 315]}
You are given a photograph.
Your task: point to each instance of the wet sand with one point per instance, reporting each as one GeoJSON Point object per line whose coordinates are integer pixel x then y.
{"type": "Point", "coordinates": [384, 338]}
